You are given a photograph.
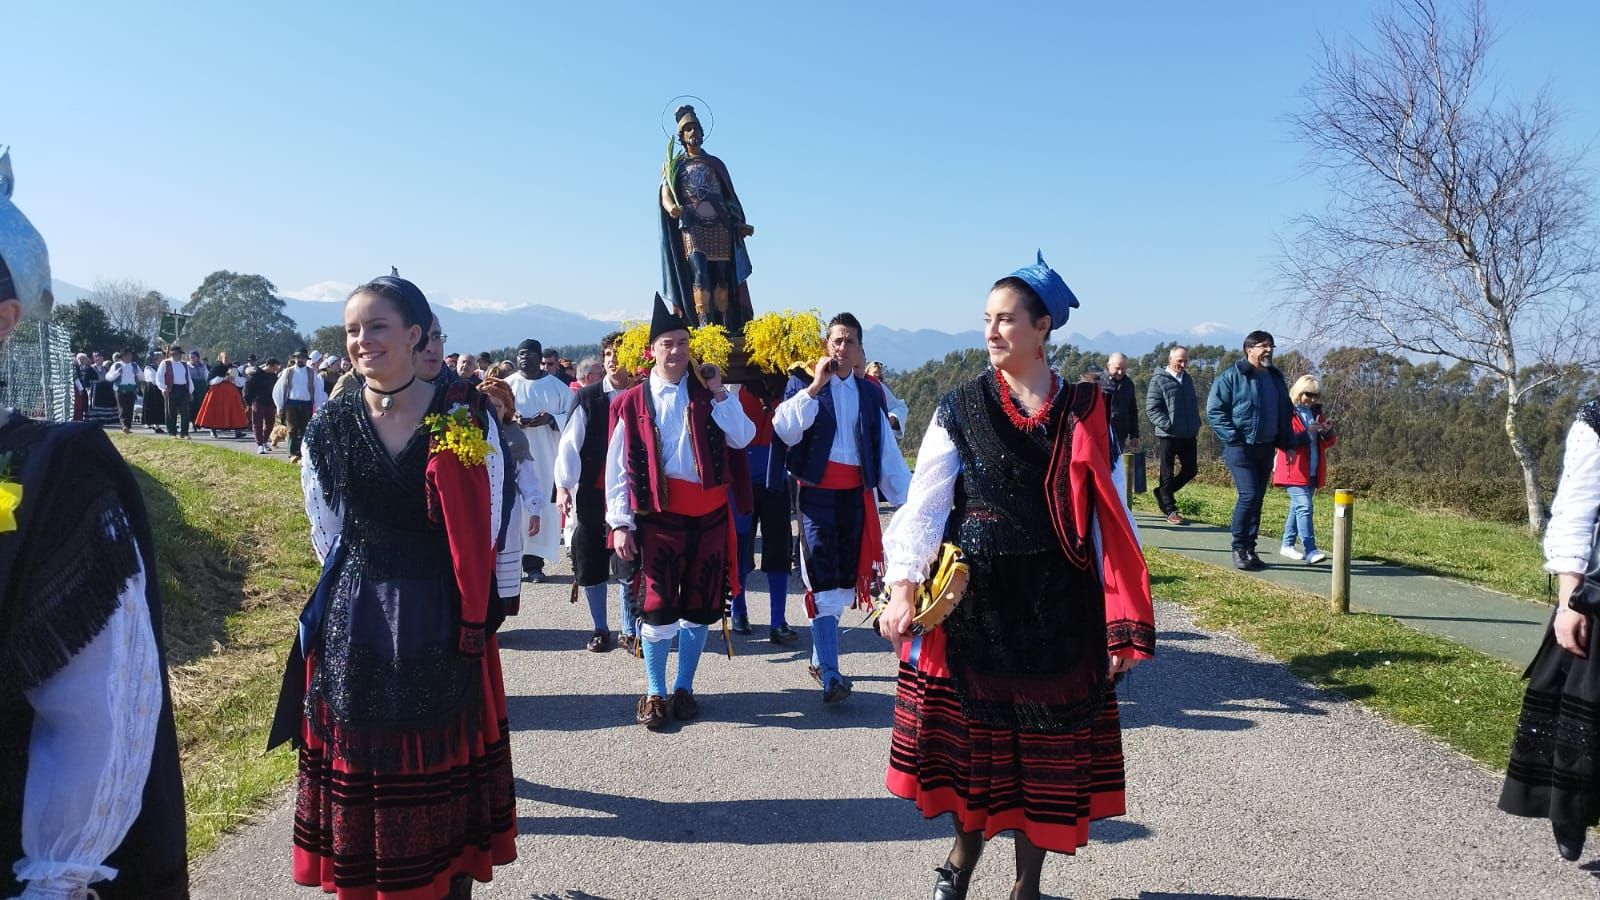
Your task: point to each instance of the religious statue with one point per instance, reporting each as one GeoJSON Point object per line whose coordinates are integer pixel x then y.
{"type": "Point", "coordinates": [703, 228]}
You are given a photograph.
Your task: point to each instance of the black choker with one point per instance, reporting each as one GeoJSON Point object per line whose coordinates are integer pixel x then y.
{"type": "Point", "coordinates": [386, 398]}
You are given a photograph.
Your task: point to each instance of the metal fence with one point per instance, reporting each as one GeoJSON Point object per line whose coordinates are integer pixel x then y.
{"type": "Point", "coordinates": [36, 370]}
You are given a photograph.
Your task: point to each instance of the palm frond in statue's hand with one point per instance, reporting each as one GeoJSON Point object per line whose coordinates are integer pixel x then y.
{"type": "Point", "coordinates": [669, 172]}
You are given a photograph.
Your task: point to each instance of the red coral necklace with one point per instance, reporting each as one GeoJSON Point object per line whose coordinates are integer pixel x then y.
{"type": "Point", "coordinates": [1022, 422]}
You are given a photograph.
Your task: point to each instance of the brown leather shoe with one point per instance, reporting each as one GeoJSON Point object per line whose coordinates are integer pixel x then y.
{"type": "Point", "coordinates": [652, 712]}
{"type": "Point", "coordinates": [629, 644]}
{"type": "Point", "coordinates": [600, 643]}
{"type": "Point", "coordinates": [684, 706]}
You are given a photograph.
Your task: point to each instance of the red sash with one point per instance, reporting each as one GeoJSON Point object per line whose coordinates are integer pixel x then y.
{"type": "Point", "coordinates": [841, 477]}
{"type": "Point", "coordinates": [691, 498]}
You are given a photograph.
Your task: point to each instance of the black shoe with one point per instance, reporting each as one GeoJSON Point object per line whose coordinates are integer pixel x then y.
{"type": "Point", "coordinates": [740, 625]}
{"type": "Point", "coordinates": [952, 883]}
{"type": "Point", "coordinates": [836, 691]}
{"type": "Point", "coordinates": [1256, 564]}
{"type": "Point", "coordinates": [1569, 840]}
{"type": "Point", "coordinates": [1241, 560]}
{"type": "Point", "coordinates": [783, 634]}
{"type": "Point", "coordinates": [533, 576]}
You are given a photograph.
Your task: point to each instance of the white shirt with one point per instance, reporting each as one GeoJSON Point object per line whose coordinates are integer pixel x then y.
{"type": "Point", "coordinates": [299, 383]}
{"type": "Point", "coordinates": [677, 447]}
{"type": "Point", "coordinates": [896, 407]}
{"type": "Point", "coordinates": [180, 374]}
{"type": "Point", "coordinates": [569, 463]}
{"type": "Point", "coordinates": [89, 755]}
{"type": "Point", "coordinates": [798, 413]}
{"type": "Point", "coordinates": [1568, 537]}
{"type": "Point", "coordinates": [125, 373]}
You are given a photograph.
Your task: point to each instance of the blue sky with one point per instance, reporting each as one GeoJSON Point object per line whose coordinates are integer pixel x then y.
{"type": "Point", "coordinates": [894, 158]}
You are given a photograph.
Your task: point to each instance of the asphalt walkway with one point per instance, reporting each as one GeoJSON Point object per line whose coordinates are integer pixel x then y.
{"type": "Point", "coordinates": [1503, 626]}
{"type": "Point", "coordinates": [1243, 782]}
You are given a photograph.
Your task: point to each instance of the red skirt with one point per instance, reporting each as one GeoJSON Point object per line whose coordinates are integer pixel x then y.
{"type": "Point", "coordinates": [403, 835]}
{"type": "Point", "coordinates": [1048, 786]}
{"type": "Point", "coordinates": [222, 409]}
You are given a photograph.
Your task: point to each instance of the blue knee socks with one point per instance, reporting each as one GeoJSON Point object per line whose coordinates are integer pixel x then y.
{"type": "Point", "coordinates": [691, 641]}
{"type": "Point", "coordinates": [655, 666]}
{"type": "Point", "coordinates": [595, 594]}
{"type": "Point", "coordinates": [825, 646]}
{"type": "Point", "coordinates": [778, 584]}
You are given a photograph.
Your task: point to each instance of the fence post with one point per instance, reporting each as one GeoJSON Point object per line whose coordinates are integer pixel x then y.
{"type": "Point", "coordinates": [1344, 511]}
{"type": "Point", "coordinates": [1127, 479]}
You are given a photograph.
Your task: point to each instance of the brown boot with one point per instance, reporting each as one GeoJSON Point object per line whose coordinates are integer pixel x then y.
{"type": "Point", "coordinates": [702, 306]}
{"type": "Point", "coordinates": [652, 712]}
{"type": "Point", "coordinates": [684, 706]}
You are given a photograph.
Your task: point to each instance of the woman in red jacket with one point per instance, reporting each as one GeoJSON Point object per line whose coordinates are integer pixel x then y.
{"type": "Point", "coordinates": [1303, 468]}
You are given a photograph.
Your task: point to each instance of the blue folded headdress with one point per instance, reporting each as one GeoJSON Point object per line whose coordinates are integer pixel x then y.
{"type": "Point", "coordinates": [24, 261]}
{"type": "Point", "coordinates": [1059, 301]}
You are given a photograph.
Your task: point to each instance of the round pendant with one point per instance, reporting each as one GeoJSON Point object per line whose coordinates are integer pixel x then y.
{"type": "Point", "coordinates": [384, 403]}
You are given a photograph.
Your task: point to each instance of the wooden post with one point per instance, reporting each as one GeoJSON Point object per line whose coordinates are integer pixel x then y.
{"type": "Point", "coordinates": [1127, 479]}
{"type": "Point", "coordinates": [1344, 511]}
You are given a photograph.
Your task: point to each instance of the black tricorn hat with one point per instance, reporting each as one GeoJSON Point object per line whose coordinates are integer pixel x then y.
{"type": "Point", "coordinates": [663, 320]}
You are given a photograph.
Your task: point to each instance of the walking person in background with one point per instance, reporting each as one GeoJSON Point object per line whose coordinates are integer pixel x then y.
{"type": "Point", "coordinates": [543, 403]}
{"type": "Point", "coordinates": [1304, 468]}
{"type": "Point", "coordinates": [1122, 403]}
{"type": "Point", "coordinates": [223, 407]}
{"type": "Point", "coordinates": [298, 394]}
{"type": "Point", "coordinates": [1250, 412]}
{"type": "Point", "coordinates": [126, 376]}
{"type": "Point", "coordinates": [154, 411]}
{"type": "Point", "coordinates": [199, 382]}
{"type": "Point", "coordinates": [176, 379]}
{"type": "Point", "coordinates": [1552, 773]}
{"type": "Point", "coordinates": [84, 378]}
{"type": "Point", "coordinates": [1006, 714]}
{"type": "Point", "coordinates": [896, 407]}
{"type": "Point", "coordinates": [1174, 413]}
{"type": "Point", "coordinates": [258, 387]}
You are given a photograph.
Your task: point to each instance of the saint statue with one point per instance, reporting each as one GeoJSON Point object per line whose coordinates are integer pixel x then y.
{"type": "Point", "coordinates": [703, 228]}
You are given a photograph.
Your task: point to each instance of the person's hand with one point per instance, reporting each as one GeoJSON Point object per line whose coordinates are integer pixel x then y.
{"type": "Point", "coordinates": [533, 526]}
{"type": "Point", "coordinates": [564, 501]}
{"type": "Point", "coordinates": [747, 230]}
{"type": "Point", "coordinates": [713, 377]}
{"type": "Point", "coordinates": [894, 622]}
{"type": "Point", "coordinates": [894, 421]}
{"type": "Point", "coordinates": [622, 544]}
{"type": "Point", "coordinates": [674, 210]}
{"type": "Point", "coordinates": [1572, 631]}
{"type": "Point", "coordinates": [821, 374]}
{"type": "Point", "coordinates": [543, 418]}
{"type": "Point", "coordinates": [1120, 664]}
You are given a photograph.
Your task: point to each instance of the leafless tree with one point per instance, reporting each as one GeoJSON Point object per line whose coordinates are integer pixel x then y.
{"type": "Point", "coordinates": [130, 306]}
{"type": "Point", "coordinates": [1459, 225]}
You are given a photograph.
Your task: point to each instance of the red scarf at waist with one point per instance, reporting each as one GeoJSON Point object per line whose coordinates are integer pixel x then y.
{"type": "Point", "coordinates": [691, 498]}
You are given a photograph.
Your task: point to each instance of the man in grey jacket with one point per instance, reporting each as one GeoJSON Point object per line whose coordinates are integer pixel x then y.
{"type": "Point", "coordinates": [1175, 412]}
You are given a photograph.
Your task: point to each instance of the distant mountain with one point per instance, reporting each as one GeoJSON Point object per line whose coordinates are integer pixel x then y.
{"type": "Point", "coordinates": [903, 350]}
{"type": "Point", "coordinates": [66, 292]}
{"type": "Point", "coordinates": [477, 331]}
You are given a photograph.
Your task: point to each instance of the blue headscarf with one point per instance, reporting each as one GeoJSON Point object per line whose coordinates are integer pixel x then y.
{"type": "Point", "coordinates": [413, 303]}
{"type": "Point", "coordinates": [24, 261]}
{"type": "Point", "coordinates": [1059, 301]}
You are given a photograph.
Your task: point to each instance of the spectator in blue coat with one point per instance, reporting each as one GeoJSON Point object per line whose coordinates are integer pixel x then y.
{"type": "Point", "coordinates": [1250, 412]}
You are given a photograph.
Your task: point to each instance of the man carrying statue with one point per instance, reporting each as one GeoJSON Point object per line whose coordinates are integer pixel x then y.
{"type": "Point", "coordinates": [703, 260]}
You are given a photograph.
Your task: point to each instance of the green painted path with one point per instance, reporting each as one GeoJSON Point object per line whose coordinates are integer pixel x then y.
{"type": "Point", "coordinates": [1500, 625]}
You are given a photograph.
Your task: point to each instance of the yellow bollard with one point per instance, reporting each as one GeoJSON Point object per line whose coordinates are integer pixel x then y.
{"type": "Point", "coordinates": [1344, 513]}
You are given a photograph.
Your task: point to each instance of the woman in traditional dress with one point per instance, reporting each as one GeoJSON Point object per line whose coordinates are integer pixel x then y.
{"type": "Point", "coordinates": [405, 788]}
{"type": "Point", "coordinates": [153, 412]}
{"type": "Point", "coordinates": [1553, 772]}
{"type": "Point", "coordinates": [223, 407]}
{"type": "Point", "coordinates": [1005, 716]}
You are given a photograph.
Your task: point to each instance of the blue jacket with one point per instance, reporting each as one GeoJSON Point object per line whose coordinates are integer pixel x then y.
{"type": "Point", "coordinates": [1233, 406]}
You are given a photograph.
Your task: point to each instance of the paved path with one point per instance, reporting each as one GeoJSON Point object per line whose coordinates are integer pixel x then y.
{"type": "Point", "coordinates": [1244, 782]}
{"type": "Point", "coordinates": [1500, 625]}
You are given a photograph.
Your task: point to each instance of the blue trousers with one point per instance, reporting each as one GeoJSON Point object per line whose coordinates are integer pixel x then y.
{"type": "Point", "coordinates": [1298, 524]}
{"type": "Point", "coordinates": [1251, 467]}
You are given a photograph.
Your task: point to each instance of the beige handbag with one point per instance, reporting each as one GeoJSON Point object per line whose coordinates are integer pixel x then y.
{"type": "Point", "coordinates": [937, 597]}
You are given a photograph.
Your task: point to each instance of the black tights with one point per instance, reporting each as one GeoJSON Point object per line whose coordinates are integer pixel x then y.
{"type": "Point", "coordinates": [461, 887]}
{"type": "Point", "coordinates": [968, 850]}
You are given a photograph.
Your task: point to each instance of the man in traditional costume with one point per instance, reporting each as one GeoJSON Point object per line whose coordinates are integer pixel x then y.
{"type": "Point", "coordinates": [703, 260]}
{"type": "Point", "coordinates": [91, 798]}
{"type": "Point", "coordinates": [667, 501]}
{"type": "Point", "coordinates": [258, 388]}
{"type": "Point", "coordinates": [842, 452]}
{"type": "Point", "coordinates": [581, 493]}
{"type": "Point", "coordinates": [298, 394]}
{"type": "Point", "coordinates": [543, 404]}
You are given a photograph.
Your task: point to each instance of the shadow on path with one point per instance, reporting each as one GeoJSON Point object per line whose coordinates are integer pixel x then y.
{"type": "Point", "coordinates": [749, 822]}
{"type": "Point", "coordinates": [1190, 688]}
{"type": "Point", "coordinates": [799, 708]}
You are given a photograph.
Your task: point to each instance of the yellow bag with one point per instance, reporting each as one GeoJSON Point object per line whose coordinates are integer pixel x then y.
{"type": "Point", "coordinates": [937, 597]}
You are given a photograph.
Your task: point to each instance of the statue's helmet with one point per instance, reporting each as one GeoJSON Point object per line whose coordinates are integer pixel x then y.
{"type": "Point", "coordinates": [686, 114]}
{"type": "Point", "coordinates": [24, 261]}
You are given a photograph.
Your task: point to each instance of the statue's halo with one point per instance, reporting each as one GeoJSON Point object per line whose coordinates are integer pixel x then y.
{"type": "Point", "coordinates": [702, 109]}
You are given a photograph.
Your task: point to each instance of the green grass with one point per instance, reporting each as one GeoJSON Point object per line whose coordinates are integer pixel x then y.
{"type": "Point", "coordinates": [1494, 555]}
{"type": "Point", "coordinates": [235, 562]}
{"type": "Point", "coordinates": [1463, 697]}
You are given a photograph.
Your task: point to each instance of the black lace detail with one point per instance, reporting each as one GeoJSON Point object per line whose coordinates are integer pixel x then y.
{"type": "Point", "coordinates": [1125, 634]}
{"type": "Point", "coordinates": [1589, 414]}
{"type": "Point", "coordinates": [391, 684]}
